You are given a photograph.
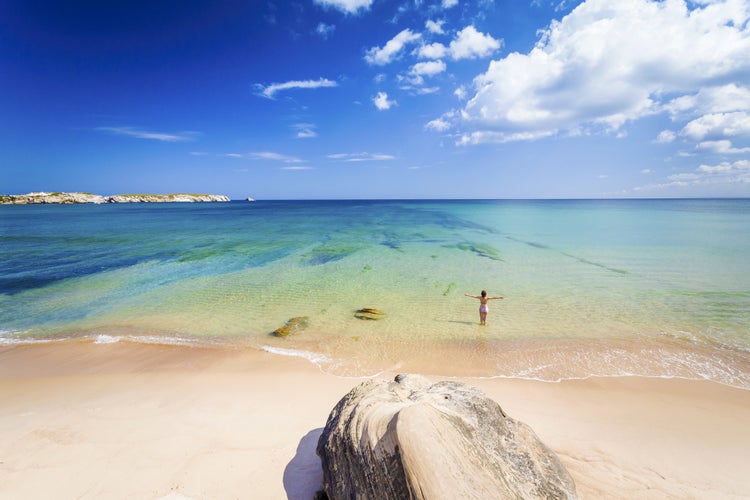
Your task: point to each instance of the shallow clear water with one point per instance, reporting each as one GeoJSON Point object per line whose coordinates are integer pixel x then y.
{"type": "Point", "coordinates": [641, 287]}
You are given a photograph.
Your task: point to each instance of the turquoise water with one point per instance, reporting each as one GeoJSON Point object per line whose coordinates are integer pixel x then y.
{"type": "Point", "coordinates": [624, 287]}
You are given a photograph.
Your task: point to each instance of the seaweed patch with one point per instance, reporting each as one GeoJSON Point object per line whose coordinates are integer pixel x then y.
{"type": "Point", "coordinates": [329, 253]}
{"type": "Point", "coordinates": [481, 250]}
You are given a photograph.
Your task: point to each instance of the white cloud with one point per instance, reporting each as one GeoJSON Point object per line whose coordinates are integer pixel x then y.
{"type": "Point", "coordinates": [684, 177]}
{"type": "Point", "coordinates": [647, 171]}
{"type": "Point", "coordinates": [269, 155]}
{"type": "Point", "coordinates": [471, 44]}
{"type": "Point", "coordinates": [460, 92]}
{"type": "Point", "coordinates": [305, 130]}
{"type": "Point", "coordinates": [271, 90]}
{"type": "Point", "coordinates": [298, 167]}
{"type": "Point", "coordinates": [325, 30]}
{"type": "Point", "coordinates": [416, 75]}
{"type": "Point", "coordinates": [447, 4]}
{"type": "Point", "coordinates": [666, 136]}
{"type": "Point", "coordinates": [346, 6]}
{"type": "Point", "coordinates": [717, 125]}
{"type": "Point", "coordinates": [392, 49]}
{"type": "Point", "coordinates": [723, 146]}
{"type": "Point", "coordinates": [432, 51]}
{"type": "Point", "coordinates": [427, 90]}
{"type": "Point", "coordinates": [485, 136]}
{"type": "Point", "coordinates": [706, 177]}
{"type": "Point", "coordinates": [738, 167]}
{"type": "Point", "coordinates": [358, 157]}
{"type": "Point", "coordinates": [608, 63]}
{"type": "Point", "coordinates": [435, 27]}
{"type": "Point", "coordinates": [438, 124]}
{"type": "Point", "coordinates": [468, 44]}
{"type": "Point", "coordinates": [146, 134]}
{"type": "Point", "coordinates": [428, 68]}
{"type": "Point", "coordinates": [715, 99]}
{"type": "Point", "coordinates": [382, 102]}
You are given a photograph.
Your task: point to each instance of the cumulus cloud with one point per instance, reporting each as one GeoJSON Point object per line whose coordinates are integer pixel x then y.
{"type": "Point", "coordinates": [346, 6]}
{"type": "Point", "coordinates": [712, 99]}
{"type": "Point", "coordinates": [468, 44]}
{"type": "Point", "coordinates": [722, 147]}
{"type": "Point", "coordinates": [151, 135]}
{"type": "Point", "coordinates": [471, 44]}
{"type": "Point", "coordinates": [447, 4]}
{"type": "Point", "coordinates": [417, 74]}
{"type": "Point", "coordinates": [428, 68]}
{"type": "Point", "coordinates": [382, 102]}
{"type": "Point", "coordinates": [438, 124]}
{"type": "Point", "coordinates": [609, 63]}
{"type": "Point", "coordinates": [716, 125]}
{"type": "Point", "coordinates": [666, 136]}
{"type": "Point", "coordinates": [741, 167]}
{"type": "Point", "coordinates": [435, 27]}
{"type": "Point", "coordinates": [271, 90]}
{"type": "Point", "coordinates": [432, 51]}
{"type": "Point", "coordinates": [381, 56]}
{"type": "Point", "coordinates": [724, 174]}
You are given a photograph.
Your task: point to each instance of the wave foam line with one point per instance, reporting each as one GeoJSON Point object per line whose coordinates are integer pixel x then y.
{"type": "Point", "coordinates": [313, 357]}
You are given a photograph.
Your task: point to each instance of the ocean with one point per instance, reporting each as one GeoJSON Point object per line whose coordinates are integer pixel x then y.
{"type": "Point", "coordinates": [656, 288]}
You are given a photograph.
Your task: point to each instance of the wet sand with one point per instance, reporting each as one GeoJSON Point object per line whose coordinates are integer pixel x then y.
{"type": "Point", "coordinates": [128, 420]}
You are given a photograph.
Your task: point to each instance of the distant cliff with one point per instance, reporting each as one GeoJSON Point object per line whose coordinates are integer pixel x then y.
{"type": "Point", "coordinates": [70, 198]}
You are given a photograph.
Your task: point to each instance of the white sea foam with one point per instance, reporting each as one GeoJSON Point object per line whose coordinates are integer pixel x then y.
{"type": "Point", "coordinates": [20, 338]}
{"type": "Point", "coordinates": [106, 339]}
{"type": "Point", "coordinates": [313, 357]}
{"type": "Point", "coordinates": [164, 340]}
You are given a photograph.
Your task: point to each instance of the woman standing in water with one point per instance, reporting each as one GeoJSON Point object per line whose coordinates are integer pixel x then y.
{"type": "Point", "coordinates": [483, 299]}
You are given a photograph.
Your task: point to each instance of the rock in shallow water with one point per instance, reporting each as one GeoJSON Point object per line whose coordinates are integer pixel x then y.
{"type": "Point", "coordinates": [413, 439]}
{"type": "Point", "coordinates": [292, 326]}
{"type": "Point", "coordinates": [369, 313]}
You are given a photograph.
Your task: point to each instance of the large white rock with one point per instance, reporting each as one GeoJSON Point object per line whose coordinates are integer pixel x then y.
{"type": "Point", "coordinates": [413, 439]}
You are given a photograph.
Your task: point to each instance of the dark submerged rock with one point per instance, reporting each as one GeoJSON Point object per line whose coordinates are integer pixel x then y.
{"type": "Point", "coordinates": [292, 326]}
{"type": "Point", "coordinates": [369, 313]}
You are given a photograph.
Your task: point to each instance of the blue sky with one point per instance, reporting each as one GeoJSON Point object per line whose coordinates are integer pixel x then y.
{"type": "Point", "coordinates": [377, 98]}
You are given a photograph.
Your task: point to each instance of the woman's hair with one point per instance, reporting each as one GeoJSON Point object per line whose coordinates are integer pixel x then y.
{"type": "Point", "coordinates": [484, 293]}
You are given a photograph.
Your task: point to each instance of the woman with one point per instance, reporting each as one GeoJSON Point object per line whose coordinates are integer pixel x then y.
{"type": "Point", "coordinates": [483, 299]}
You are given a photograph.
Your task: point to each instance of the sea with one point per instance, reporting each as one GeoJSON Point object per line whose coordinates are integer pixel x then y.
{"type": "Point", "coordinates": [591, 288]}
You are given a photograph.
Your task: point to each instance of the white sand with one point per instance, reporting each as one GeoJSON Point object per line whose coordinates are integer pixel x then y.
{"type": "Point", "coordinates": [79, 420]}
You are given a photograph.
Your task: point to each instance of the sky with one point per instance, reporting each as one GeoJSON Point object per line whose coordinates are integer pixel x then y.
{"type": "Point", "coordinates": [321, 99]}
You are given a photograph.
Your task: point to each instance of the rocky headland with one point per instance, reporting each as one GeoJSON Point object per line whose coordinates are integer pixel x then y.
{"type": "Point", "coordinates": [76, 197]}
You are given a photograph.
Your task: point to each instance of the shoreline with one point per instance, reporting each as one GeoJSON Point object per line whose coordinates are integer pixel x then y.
{"type": "Point", "coordinates": [125, 420]}
{"type": "Point", "coordinates": [542, 360]}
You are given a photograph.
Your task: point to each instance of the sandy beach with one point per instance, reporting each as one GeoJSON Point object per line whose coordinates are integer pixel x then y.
{"type": "Point", "coordinates": [126, 420]}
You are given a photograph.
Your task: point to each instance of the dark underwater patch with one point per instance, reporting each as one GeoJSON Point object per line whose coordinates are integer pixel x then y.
{"type": "Point", "coordinates": [480, 249]}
